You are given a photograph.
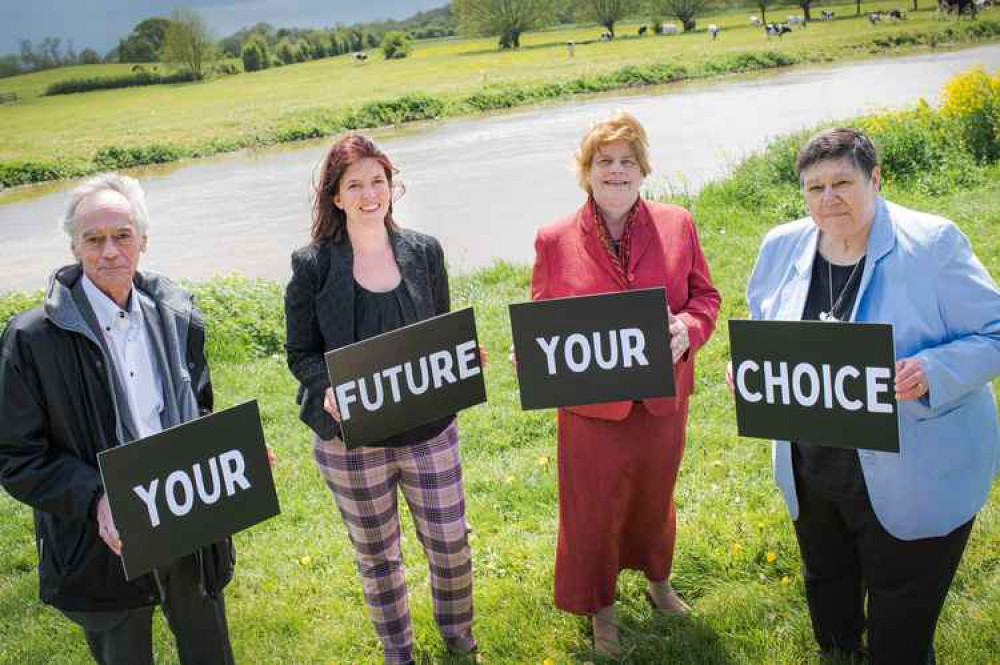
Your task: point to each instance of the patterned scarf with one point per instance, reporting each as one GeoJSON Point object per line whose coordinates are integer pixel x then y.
{"type": "Point", "coordinates": [619, 257]}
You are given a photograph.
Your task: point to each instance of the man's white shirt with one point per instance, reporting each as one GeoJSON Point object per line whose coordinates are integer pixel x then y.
{"type": "Point", "coordinates": [132, 355]}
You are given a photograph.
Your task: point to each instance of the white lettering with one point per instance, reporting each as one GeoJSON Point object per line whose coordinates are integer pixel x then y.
{"type": "Point", "coordinates": [805, 369]}
{"type": "Point", "coordinates": [633, 347]}
{"type": "Point", "coordinates": [199, 482]}
{"type": "Point", "coordinates": [233, 470]}
{"type": "Point", "coordinates": [467, 353]}
{"type": "Point", "coordinates": [741, 381]}
{"type": "Point", "coordinates": [148, 497]}
{"type": "Point", "coordinates": [612, 359]}
{"type": "Point", "coordinates": [578, 340]}
{"type": "Point", "coordinates": [549, 349]}
{"type": "Point", "coordinates": [838, 388]}
{"type": "Point", "coordinates": [392, 374]}
{"type": "Point", "coordinates": [872, 377]}
{"type": "Point", "coordinates": [345, 397]}
{"type": "Point", "coordinates": [441, 364]}
{"type": "Point", "coordinates": [425, 380]}
{"type": "Point", "coordinates": [371, 404]}
{"type": "Point", "coordinates": [772, 380]}
{"type": "Point", "coordinates": [170, 490]}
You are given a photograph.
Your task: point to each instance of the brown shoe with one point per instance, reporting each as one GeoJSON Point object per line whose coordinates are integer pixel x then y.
{"type": "Point", "coordinates": [605, 630]}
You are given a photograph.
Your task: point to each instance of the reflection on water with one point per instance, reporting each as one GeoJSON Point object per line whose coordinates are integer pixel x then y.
{"type": "Point", "coordinates": [482, 185]}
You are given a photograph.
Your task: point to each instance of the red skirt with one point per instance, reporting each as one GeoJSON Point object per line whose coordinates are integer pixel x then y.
{"type": "Point", "coordinates": [616, 507]}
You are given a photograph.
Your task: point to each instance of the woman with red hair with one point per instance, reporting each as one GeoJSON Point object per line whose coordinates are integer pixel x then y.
{"type": "Point", "coordinates": [362, 275]}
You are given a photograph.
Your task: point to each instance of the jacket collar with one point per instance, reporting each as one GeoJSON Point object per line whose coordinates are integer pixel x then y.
{"type": "Point", "coordinates": [642, 234]}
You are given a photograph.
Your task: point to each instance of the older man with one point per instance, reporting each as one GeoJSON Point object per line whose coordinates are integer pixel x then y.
{"type": "Point", "coordinates": [112, 356]}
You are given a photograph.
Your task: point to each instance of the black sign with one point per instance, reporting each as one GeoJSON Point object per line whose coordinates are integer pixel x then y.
{"type": "Point", "coordinates": [188, 486]}
{"type": "Point", "coordinates": [593, 349]}
{"type": "Point", "coordinates": [407, 377]}
{"type": "Point", "coordinates": [816, 382]}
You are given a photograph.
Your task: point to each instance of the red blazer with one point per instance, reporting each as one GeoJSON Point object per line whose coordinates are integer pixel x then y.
{"type": "Point", "coordinates": [571, 261]}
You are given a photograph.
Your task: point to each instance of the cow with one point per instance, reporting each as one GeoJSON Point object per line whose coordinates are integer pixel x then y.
{"type": "Point", "coordinates": [827, 15]}
{"type": "Point", "coordinates": [755, 21]}
{"type": "Point", "coordinates": [778, 29]}
{"type": "Point", "coordinates": [874, 17]}
{"type": "Point", "coordinates": [669, 29]}
{"type": "Point", "coordinates": [642, 30]}
{"type": "Point", "coordinates": [713, 30]}
{"type": "Point", "coordinates": [797, 20]}
{"type": "Point", "coordinates": [359, 56]}
{"type": "Point", "coordinates": [897, 14]}
{"type": "Point", "coordinates": [571, 48]}
{"type": "Point", "coordinates": [606, 36]}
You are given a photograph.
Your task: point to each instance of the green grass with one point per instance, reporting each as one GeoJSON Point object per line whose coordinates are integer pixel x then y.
{"type": "Point", "coordinates": [65, 133]}
{"type": "Point", "coordinates": [296, 598]}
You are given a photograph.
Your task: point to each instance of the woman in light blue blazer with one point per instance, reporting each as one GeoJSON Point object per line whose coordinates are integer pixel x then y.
{"type": "Point", "coordinates": [891, 526]}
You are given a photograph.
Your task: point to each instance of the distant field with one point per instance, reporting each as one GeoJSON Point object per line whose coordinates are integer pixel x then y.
{"type": "Point", "coordinates": [71, 128]}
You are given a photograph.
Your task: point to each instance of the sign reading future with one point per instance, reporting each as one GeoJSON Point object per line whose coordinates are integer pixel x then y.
{"type": "Point", "coordinates": [407, 377]}
{"type": "Point", "coordinates": [593, 349]}
{"type": "Point", "coordinates": [820, 383]}
{"type": "Point", "coordinates": [188, 486]}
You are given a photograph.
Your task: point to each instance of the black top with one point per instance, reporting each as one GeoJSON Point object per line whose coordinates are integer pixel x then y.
{"type": "Point", "coordinates": [380, 312]}
{"type": "Point", "coordinates": [826, 469]}
{"type": "Point", "coordinates": [319, 309]}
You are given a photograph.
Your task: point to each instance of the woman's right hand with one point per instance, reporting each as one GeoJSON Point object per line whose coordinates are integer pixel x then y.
{"type": "Point", "coordinates": [512, 357]}
{"type": "Point", "coordinates": [330, 405]}
{"type": "Point", "coordinates": [729, 378]}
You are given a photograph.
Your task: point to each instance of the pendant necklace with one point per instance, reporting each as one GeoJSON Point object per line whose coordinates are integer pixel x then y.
{"type": "Point", "coordinates": [835, 305]}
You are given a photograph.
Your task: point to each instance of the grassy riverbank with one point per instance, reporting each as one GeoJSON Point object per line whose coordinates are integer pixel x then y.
{"type": "Point", "coordinates": [296, 598]}
{"type": "Point", "coordinates": [46, 138]}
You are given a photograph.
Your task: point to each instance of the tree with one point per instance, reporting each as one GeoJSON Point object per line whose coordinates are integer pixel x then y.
{"type": "Point", "coordinates": [254, 54]}
{"type": "Point", "coordinates": [145, 41]}
{"type": "Point", "coordinates": [685, 11]}
{"type": "Point", "coordinates": [608, 12]}
{"type": "Point", "coordinates": [89, 56]}
{"type": "Point", "coordinates": [762, 5]}
{"type": "Point", "coordinates": [505, 19]}
{"type": "Point", "coordinates": [805, 5]}
{"type": "Point", "coordinates": [395, 45]}
{"type": "Point", "coordinates": [188, 42]}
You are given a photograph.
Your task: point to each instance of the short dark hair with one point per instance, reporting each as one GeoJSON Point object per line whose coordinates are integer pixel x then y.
{"type": "Point", "coordinates": [839, 143]}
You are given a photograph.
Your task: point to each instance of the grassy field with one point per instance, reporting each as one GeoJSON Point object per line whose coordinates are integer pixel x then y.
{"type": "Point", "coordinates": [296, 598]}
{"type": "Point", "coordinates": [282, 103]}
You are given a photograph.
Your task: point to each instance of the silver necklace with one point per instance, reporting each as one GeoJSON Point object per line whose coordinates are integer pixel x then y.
{"type": "Point", "coordinates": [835, 305]}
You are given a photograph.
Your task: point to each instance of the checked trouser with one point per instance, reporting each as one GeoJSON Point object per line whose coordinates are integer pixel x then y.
{"type": "Point", "coordinates": [363, 482]}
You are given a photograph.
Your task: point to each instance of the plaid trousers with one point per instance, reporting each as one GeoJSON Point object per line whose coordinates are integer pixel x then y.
{"type": "Point", "coordinates": [363, 482]}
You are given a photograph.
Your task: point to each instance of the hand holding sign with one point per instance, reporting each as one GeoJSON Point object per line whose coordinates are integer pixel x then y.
{"type": "Point", "coordinates": [911, 382]}
{"type": "Point", "coordinates": [106, 525]}
{"type": "Point", "coordinates": [330, 404]}
{"type": "Point", "coordinates": [679, 341]}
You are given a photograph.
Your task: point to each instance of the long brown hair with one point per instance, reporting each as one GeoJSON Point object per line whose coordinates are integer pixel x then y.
{"type": "Point", "coordinates": [329, 221]}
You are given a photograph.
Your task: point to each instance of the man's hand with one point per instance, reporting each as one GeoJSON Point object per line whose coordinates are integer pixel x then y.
{"type": "Point", "coordinates": [106, 526]}
{"type": "Point", "coordinates": [729, 378]}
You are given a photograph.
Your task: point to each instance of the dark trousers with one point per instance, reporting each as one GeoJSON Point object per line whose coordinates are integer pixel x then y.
{"type": "Point", "coordinates": [846, 553]}
{"type": "Point", "coordinates": [198, 622]}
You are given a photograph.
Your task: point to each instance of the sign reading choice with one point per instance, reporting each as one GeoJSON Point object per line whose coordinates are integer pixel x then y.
{"type": "Point", "coordinates": [818, 383]}
{"type": "Point", "coordinates": [593, 349]}
{"type": "Point", "coordinates": [188, 486]}
{"type": "Point", "coordinates": [407, 377]}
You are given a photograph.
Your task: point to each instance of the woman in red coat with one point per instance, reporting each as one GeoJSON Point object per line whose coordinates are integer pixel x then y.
{"type": "Point", "coordinates": [618, 462]}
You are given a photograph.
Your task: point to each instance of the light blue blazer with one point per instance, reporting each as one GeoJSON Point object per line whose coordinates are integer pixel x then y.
{"type": "Point", "coordinates": [922, 277]}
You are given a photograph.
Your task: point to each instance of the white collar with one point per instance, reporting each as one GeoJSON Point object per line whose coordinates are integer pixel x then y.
{"type": "Point", "coordinates": [109, 315]}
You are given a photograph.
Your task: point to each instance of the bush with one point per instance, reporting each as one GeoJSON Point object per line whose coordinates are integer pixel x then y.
{"type": "Point", "coordinates": [973, 100]}
{"type": "Point", "coordinates": [245, 318]}
{"type": "Point", "coordinates": [395, 45]}
{"type": "Point", "coordinates": [138, 78]}
{"type": "Point", "coordinates": [117, 157]}
{"type": "Point", "coordinates": [17, 173]}
{"type": "Point", "coordinates": [408, 108]}
{"type": "Point", "coordinates": [12, 304]}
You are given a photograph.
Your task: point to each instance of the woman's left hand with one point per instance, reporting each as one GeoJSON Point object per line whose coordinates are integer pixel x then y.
{"type": "Point", "coordinates": [911, 382]}
{"type": "Point", "coordinates": [679, 342]}
{"type": "Point", "coordinates": [484, 360]}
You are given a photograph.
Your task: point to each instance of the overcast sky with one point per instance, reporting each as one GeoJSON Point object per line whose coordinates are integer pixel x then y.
{"type": "Point", "coordinates": [98, 24]}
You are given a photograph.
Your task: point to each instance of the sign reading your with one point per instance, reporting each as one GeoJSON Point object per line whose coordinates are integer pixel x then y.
{"type": "Point", "coordinates": [593, 349]}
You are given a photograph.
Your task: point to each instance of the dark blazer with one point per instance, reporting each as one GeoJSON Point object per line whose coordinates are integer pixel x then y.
{"type": "Point", "coordinates": [319, 309]}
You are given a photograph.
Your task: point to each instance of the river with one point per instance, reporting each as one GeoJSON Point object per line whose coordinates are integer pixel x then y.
{"type": "Point", "coordinates": [481, 185]}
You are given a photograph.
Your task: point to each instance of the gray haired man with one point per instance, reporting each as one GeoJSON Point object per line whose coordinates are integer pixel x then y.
{"type": "Point", "coordinates": [113, 355]}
